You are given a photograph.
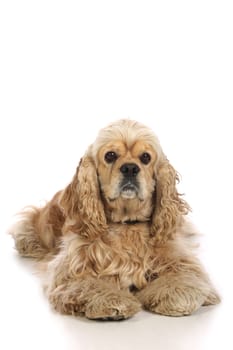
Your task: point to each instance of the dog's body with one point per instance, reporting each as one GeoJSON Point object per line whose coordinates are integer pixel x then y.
{"type": "Point", "coordinates": [116, 238]}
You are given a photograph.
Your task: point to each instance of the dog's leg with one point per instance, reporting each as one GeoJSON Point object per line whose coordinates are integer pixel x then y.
{"type": "Point", "coordinates": [73, 287]}
{"type": "Point", "coordinates": [182, 286]}
{"type": "Point", "coordinates": [177, 294]}
{"type": "Point", "coordinates": [93, 298]}
{"type": "Point", "coordinates": [37, 231]}
{"type": "Point", "coordinates": [27, 240]}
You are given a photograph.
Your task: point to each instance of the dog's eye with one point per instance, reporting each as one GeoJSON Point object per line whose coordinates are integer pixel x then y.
{"type": "Point", "coordinates": [110, 157]}
{"type": "Point", "coordinates": [145, 158]}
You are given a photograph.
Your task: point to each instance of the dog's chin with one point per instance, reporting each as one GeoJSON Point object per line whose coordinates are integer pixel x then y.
{"type": "Point", "coordinates": [128, 194]}
{"type": "Point", "coordinates": [129, 191]}
{"type": "Point", "coordinates": [126, 191]}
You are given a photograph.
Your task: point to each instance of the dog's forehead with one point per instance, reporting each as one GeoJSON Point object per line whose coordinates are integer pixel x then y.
{"type": "Point", "coordinates": [122, 147]}
{"type": "Point", "coordinates": [129, 134]}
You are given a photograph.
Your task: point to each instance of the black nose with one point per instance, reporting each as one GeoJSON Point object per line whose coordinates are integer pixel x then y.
{"type": "Point", "coordinates": [129, 169]}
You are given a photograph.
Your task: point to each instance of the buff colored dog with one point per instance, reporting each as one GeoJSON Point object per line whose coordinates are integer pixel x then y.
{"type": "Point", "coordinates": [117, 239]}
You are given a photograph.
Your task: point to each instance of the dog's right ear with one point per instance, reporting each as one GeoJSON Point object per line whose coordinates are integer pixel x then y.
{"type": "Point", "coordinates": [81, 202]}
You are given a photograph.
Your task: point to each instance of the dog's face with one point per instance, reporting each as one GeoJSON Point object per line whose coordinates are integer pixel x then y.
{"type": "Point", "coordinates": [126, 155]}
{"type": "Point", "coordinates": [124, 176]}
{"type": "Point", "coordinates": [125, 171]}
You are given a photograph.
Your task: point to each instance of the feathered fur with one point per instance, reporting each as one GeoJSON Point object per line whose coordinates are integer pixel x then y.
{"type": "Point", "coordinates": [109, 249]}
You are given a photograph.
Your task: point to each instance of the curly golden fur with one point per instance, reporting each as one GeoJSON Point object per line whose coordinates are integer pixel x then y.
{"type": "Point", "coordinates": [116, 239]}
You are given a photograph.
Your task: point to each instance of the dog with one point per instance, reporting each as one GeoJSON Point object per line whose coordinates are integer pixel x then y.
{"type": "Point", "coordinates": [117, 239]}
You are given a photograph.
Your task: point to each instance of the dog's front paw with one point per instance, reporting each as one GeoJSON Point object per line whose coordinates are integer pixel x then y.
{"type": "Point", "coordinates": [174, 296]}
{"type": "Point", "coordinates": [175, 302]}
{"type": "Point", "coordinates": [113, 306]}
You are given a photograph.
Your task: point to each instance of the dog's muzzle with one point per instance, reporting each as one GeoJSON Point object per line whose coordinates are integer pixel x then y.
{"type": "Point", "coordinates": [129, 186]}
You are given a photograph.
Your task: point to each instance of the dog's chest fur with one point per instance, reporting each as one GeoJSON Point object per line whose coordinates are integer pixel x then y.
{"type": "Point", "coordinates": [123, 254]}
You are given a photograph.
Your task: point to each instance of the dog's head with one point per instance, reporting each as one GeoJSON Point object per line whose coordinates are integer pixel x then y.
{"type": "Point", "coordinates": [124, 177]}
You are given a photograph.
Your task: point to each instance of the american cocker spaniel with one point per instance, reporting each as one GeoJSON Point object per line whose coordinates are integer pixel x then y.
{"type": "Point", "coordinates": [117, 239]}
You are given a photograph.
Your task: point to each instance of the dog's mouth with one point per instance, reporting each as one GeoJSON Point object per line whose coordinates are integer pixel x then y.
{"type": "Point", "coordinates": [129, 190]}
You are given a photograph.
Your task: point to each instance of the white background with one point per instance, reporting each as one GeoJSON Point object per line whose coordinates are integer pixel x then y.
{"type": "Point", "coordinates": [67, 68]}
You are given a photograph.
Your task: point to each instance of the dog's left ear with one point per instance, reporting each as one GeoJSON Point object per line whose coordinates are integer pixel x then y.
{"type": "Point", "coordinates": [169, 206]}
{"type": "Point", "coordinates": [81, 202]}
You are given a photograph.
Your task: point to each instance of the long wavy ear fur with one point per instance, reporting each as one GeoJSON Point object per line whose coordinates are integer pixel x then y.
{"type": "Point", "coordinates": [81, 202]}
{"type": "Point", "coordinates": [169, 207]}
